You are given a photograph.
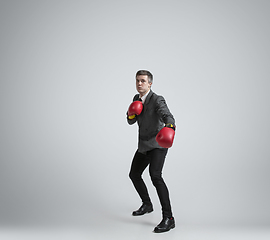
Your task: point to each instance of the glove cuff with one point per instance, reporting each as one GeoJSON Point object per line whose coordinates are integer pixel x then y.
{"type": "Point", "coordinates": [131, 117]}
{"type": "Point", "coordinates": [170, 125]}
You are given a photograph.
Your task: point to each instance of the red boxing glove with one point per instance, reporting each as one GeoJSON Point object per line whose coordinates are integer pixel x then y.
{"type": "Point", "coordinates": [135, 108]}
{"type": "Point", "coordinates": [165, 137]}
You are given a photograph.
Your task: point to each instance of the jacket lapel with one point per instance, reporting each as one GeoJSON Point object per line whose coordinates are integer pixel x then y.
{"type": "Point", "coordinates": [148, 97]}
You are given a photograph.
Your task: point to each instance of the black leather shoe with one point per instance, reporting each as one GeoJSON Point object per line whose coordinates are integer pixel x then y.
{"type": "Point", "coordinates": [165, 225]}
{"type": "Point", "coordinates": [143, 210]}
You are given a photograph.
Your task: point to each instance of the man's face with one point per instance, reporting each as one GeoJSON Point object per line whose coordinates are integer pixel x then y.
{"type": "Point", "coordinates": [142, 84]}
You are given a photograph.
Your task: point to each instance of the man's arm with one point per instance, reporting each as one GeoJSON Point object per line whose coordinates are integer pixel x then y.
{"type": "Point", "coordinates": [132, 119]}
{"type": "Point", "coordinates": [164, 112]}
{"type": "Point", "coordinates": [165, 136]}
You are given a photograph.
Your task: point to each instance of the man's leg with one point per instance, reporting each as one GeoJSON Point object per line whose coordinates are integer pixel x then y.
{"type": "Point", "coordinates": [157, 158]}
{"type": "Point", "coordinates": [139, 163]}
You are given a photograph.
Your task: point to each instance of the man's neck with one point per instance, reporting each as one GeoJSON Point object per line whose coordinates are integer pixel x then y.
{"type": "Point", "coordinates": [144, 94]}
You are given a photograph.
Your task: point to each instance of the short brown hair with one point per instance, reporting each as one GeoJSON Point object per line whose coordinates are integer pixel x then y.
{"type": "Point", "coordinates": [145, 72]}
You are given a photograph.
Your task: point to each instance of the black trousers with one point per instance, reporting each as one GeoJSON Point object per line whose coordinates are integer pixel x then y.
{"type": "Point", "coordinates": [155, 159]}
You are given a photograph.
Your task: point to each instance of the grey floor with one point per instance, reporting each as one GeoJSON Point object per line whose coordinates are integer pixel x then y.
{"type": "Point", "coordinates": [127, 227]}
{"type": "Point", "coordinates": [136, 231]}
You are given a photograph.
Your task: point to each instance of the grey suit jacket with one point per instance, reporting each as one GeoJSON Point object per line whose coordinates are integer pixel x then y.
{"type": "Point", "coordinates": [154, 115]}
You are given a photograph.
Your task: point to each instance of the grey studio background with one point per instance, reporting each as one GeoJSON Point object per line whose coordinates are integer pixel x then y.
{"type": "Point", "coordinates": [67, 78]}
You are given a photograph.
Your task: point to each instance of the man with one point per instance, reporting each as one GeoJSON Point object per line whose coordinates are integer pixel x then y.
{"type": "Point", "coordinates": [153, 117]}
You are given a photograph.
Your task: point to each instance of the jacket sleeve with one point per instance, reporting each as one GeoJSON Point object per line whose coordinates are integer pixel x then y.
{"type": "Point", "coordinates": [163, 111]}
{"type": "Point", "coordinates": [131, 121]}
